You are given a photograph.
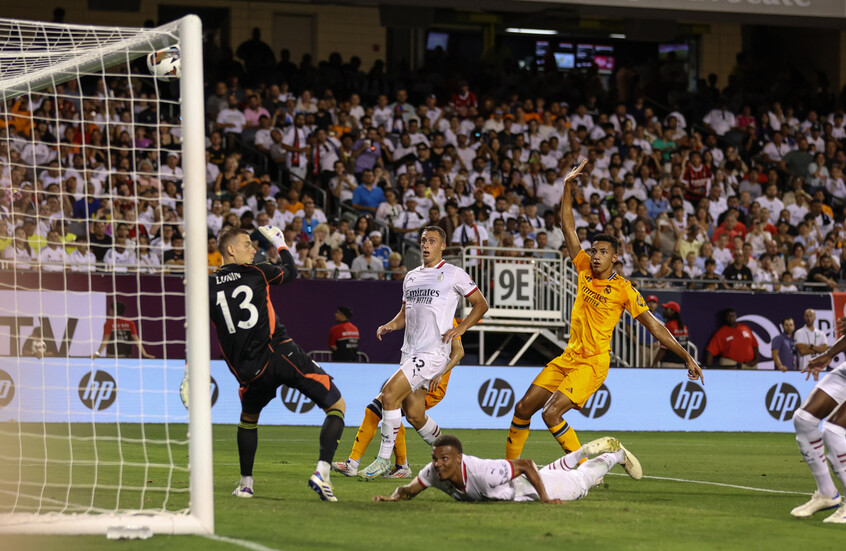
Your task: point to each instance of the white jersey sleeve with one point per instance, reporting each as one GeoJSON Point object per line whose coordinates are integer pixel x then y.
{"type": "Point", "coordinates": [463, 283]}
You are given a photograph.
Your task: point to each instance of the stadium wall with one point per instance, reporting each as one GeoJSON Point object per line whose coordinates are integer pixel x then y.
{"type": "Point", "coordinates": [106, 391]}
{"type": "Point", "coordinates": [350, 30]}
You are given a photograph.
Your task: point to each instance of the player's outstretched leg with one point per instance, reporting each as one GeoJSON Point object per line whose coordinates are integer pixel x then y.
{"type": "Point", "coordinates": [524, 409]}
{"type": "Point", "coordinates": [811, 446]}
{"type": "Point", "coordinates": [834, 435]}
{"type": "Point", "coordinates": [571, 461]}
{"type": "Point", "coordinates": [366, 431]}
{"type": "Point", "coordinates": [330, 435]}
{"type": "Point", "coordinates": [247, 445]}
{"type": "Point", "coordinates": [394, 393]}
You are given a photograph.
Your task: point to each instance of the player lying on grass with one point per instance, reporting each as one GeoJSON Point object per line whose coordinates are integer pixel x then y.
{"type": "Point", "coordinates": [569, 380]}
{"type": "Point", "coordinates": [468, 478]}
{"type": "Point", "coordinates": [827, 401]}
{"type": "Point", "coordinates": [262, 356]}
{"type": "Point", "coordinates": [434, 393]}
{"type": "Point", "coordinates": [430, 295]}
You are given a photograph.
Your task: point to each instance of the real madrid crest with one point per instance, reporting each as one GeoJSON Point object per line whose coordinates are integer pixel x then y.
{"type": "Point", "coordinates": [607, 289]}
{"type": "Point", "coordinates": [441, 277]}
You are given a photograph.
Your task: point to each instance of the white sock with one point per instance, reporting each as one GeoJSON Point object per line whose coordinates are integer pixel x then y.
{"type": "Point", "coordinates": [429, 431]}
{"type": "Point", "coordinates": [391, 421]}
{"type": "Point", "coordinates": [246, 482]}
{"type": "Point", "coordinates": [813, 450]}
{"type": "Point", "coordinates": [835, 444]}
{"type": "Point", "coordinates": [353, 463]}
{"type": "Point", "coordinates": [323, 470]}
{"type": "Point", "coordinates": [568, 462]}
{"type": "Point", "coordinates": [597, 467]}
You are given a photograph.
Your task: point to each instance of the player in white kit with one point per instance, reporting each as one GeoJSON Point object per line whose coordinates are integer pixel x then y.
{"type": "Point", "coordinates": [827, 401]}
{"type": "Point", "coordinates": [431, 293]}
{"type": "Point", "coordinates": [467, 478]}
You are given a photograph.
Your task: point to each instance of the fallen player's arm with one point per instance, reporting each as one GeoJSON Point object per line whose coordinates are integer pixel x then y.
{"type": "Point", "coordinates": [669, 341]}
{"type": "Point", "coordinates": [528, 468]}
{"type": "Point", "coordinates": [403, 493]}
{"type": "Point", "coordinates": [397, 323]}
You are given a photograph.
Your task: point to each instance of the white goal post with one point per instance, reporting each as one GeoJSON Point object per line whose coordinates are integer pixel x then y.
{"type": "Point", "coordinates": [153, 475]}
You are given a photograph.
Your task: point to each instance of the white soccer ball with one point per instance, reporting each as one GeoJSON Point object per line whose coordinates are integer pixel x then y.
{"type": "Point", "coordinates": [39, 348]}
{"type": "Point", "coordinates": [165, 64]}
{"type": "Point", "coordinates": [183, 391]}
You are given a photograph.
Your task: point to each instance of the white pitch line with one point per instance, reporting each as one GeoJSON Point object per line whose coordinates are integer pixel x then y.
{"type": "Point", "coordinates": [705, 482]}
{"type": "Point", "coordinates": [241, 543]}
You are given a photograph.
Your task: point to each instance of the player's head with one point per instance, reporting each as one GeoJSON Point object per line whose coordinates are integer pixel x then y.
{"type": "Point", "coordinates": [432, 244]}
{"type": "Point", "coordinates": [446, 456]}
{"type": "Point", "coordinates": [235, 246]}
{"type": "Point", "coordinates": [603, 253]}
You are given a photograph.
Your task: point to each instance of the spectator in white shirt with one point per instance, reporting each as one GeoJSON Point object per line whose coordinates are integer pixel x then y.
{"type": "Point", "coordinates": [171, 172]}
{"type": "Point", "coordinates": [771, 201]}
{"type": "Point", "coordinates": [720, 120]}
{"type": "Point", "coordinates": [53, 257]}
{"type": "Point", "coordinates": [119, 258]}
{"type": "Point", "coordinates": [366, 265]}
{"type": "Point", "coordinates": [82, 259]}
{"type": "Point", "coordinates": [231, 120]}
{"type": "Point", "coordinates": [336, 266]}
{"type": "Point", "coordinates": [809, 340]}
{"type": "Point", "coordinates": [148, 261]}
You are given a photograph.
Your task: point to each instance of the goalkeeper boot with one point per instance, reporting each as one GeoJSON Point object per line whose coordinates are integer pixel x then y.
{"type": "Point", "coordinates": [346, 468]}
{"type": "Point", "coordinates": [399, 471]}
{"type": "Point", "coordinates": [602, 445]}
{"type": "Point", "coordinates": [631, 464]}
{"type": "Point", "coordinates": [839, 516]}
{"type": "Point", "coordinates": [818, 502]}
{"type": "Point", "coordinates": [245, 488]}
{"type": "Point", "coordinates": [323, 488]}
{"type": "Point", "coordinates": [376, 469]}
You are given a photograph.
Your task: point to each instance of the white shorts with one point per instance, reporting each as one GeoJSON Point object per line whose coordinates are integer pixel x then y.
{"type": "Point", "coordinates": [833, 383]}
{"type": "Point", "coordinates": [565, 485]}
{"type": "Point", "coordinates": [419, 369]}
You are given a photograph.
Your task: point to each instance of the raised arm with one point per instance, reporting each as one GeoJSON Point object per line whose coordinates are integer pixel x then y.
{"type": "Point", "coordinates": [568, 223]}
{"type": "Point", "coordinates": [820, 362]}
{"type": "Point", "coordinates": [668, 340]}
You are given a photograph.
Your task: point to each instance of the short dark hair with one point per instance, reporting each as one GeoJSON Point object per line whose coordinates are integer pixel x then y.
{"type": "Point", "coordinates": [228, 234]}
{"type": "Point", "coordinates": [448, 440]}
{"type": "Point", "coordinates": [346, 311]}
{"type": "Point", "coordinates": [437, 229]}
{"type": "Point", "coordinates": [608, 238]}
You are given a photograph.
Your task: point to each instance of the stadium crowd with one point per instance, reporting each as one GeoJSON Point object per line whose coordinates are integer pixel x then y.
{"type": "Point", "coordinates": [352, 165]}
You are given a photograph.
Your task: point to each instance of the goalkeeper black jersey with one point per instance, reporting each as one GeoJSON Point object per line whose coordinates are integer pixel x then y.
{"type": "Point", "coordinates": [240, 308]}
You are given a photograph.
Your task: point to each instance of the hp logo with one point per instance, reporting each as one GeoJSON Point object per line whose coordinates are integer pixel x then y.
{"type": "Point", "coordinates": [496, 397]}
{"type": "Point", "coordinates": [295, 401]}
{"type": "Point", "coordinates": [688, 400]}
{"type": "Point", "coordinates": [7, 389]}
{"type": "Point", "coordinates": [782, 401]}
{"type": "Point", "coordinates": [97, 390]}
{"type": "Point", "coordinates": [598, 404]}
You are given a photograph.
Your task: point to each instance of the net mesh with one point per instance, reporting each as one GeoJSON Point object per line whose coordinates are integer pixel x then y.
{"type": "Point", "coordinates": [92, 309]}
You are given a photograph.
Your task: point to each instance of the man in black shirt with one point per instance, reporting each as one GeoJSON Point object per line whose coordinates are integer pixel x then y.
{"type": "Point", "coordinates": [824, 273]}
{"type": "Point", "coordinates": [737, 272]}
{"type": "Point", "coordinates": [261, 355]}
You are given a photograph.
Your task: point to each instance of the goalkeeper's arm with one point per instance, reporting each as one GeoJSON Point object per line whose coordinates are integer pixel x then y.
{"type": "Point", "coordinates": [288, 270]}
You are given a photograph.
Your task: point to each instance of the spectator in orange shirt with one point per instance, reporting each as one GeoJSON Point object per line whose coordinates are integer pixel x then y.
{"type": "Point", "coordinates": [731, 226]}
{"type": "Point", "coordinates": [215, 258]}
{"type": "Point", "coordinates": [734, 343]}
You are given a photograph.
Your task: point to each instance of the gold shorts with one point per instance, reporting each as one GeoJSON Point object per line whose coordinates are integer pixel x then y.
{"type": "Point", "coordinates": [435, 396]}
{"type": "Point", "coordinates": [575, 376]}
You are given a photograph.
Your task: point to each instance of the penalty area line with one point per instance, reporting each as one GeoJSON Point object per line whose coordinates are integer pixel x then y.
{"type": "Point", "coordinates": [724, 485]}
{"type": "Point", "coordinates": [252, 546]}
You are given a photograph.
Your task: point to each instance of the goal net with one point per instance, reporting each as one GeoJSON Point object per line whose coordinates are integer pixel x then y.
{"type": "Point", "coordinates": [103, 280]}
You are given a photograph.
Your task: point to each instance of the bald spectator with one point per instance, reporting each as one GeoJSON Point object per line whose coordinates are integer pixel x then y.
{"type": "Point", "coordinates": [810, 340]}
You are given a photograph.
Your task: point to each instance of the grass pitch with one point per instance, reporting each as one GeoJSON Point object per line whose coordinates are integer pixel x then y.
{"type": "Point", "coordinates": [677, 510]}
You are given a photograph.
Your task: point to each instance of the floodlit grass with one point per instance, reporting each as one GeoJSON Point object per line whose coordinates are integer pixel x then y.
{"type": "Point", "coordinates": [623, 514]}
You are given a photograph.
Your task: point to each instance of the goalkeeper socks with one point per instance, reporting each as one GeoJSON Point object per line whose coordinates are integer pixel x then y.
{"type": "Point", "coordinates": [372, 416]}
{"type": "Point", "coordinates": [835, 443]}
{"type": "Point", "coordinates": [813, 450]}
{"type": "Point", "coordinates": [330, 435]}
{"type": "Point", "coordinates": [517, 435]}
{"type": "Point", "coordinates": [429, 431]}
{"type": "Point", "coordinates": [400, 448]}
{"type": "Point", "coordinates": [391, 421]}
{"type": "Point", "coordinates": [565, 436]}
{"type": "Point", "coordinates": [247, 444]}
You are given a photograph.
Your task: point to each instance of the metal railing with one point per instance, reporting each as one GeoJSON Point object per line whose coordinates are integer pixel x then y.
{"type": "Point", "coordinates": [326, 356]}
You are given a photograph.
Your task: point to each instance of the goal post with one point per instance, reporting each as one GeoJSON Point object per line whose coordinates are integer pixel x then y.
{"type": "Point", "coordinates": [134, 459]}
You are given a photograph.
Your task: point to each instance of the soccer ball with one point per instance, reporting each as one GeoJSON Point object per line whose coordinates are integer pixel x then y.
{"type": "Point", "coordinates": [165, 64]}
{"type": "Point", "coordinates": [39, 348]}
{"type": "Point", "coordinates": [183, 391]}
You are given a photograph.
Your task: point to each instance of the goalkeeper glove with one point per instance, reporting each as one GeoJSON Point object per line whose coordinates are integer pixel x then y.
{"type": "Point", "coordinates": [275, 236]}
